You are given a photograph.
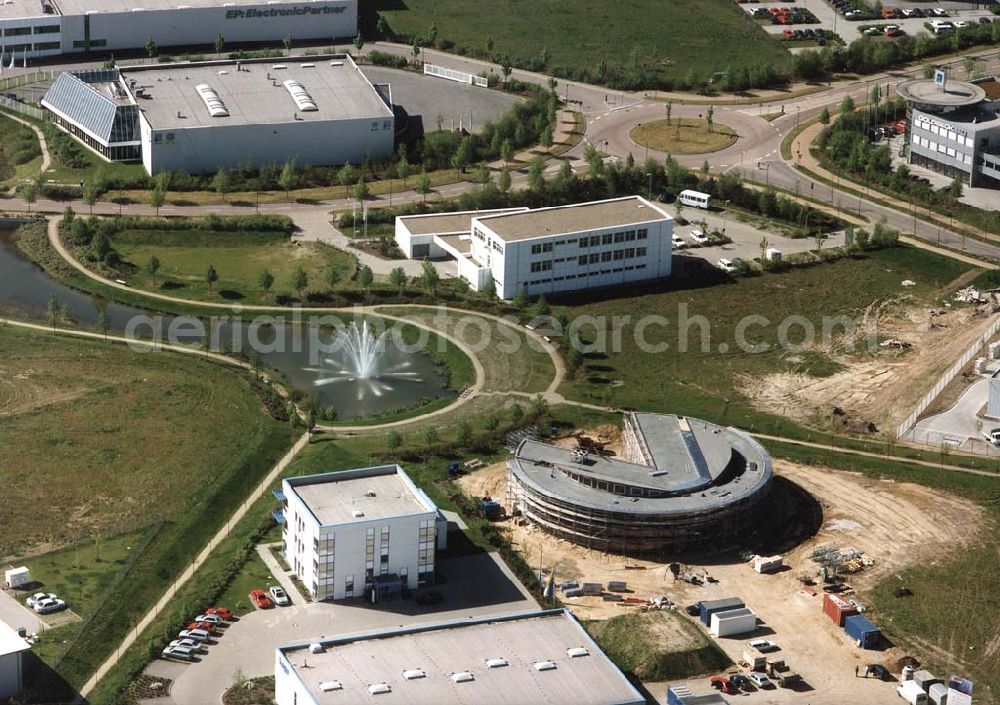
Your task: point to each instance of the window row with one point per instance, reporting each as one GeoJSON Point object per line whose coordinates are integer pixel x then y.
{"type": "Point", "coordinates": [584, 275]}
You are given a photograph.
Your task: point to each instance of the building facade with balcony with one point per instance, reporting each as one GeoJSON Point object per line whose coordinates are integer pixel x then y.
{"type": "Point", "coordinates": [369, 532]}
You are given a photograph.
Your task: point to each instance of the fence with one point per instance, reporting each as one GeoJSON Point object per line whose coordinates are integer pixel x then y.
{"type": "Point", "coordinates": [946, 378]}
{"type": "Point", "coordinates": [458, 76]}
{"type": "Point", "coordinates": [24, 79]}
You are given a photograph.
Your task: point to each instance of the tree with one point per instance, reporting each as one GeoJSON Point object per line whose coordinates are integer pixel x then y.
{"type": "Point", "coordinates": [520, 299]}
{"type": "Point", "coordinates": [506, 151]}
{"type": "Point", "coordinates": [503, 182]}
{"type": "Point", "coordinates": [820, 239]}
{"type": "Point", "coordinates": [265, 280]}
{"type": "Point", "coordinates": [156, 199]}
{"type": "Point", "coordinates": [463, 154]}
{"type": "Point", "coordinates": [536, 174]}
{"type": "Point", "coordinates": [415, 50]}
{"type": "Point", "coordinates": [595, 162]}
{"type": "Point", "coordinates": [431, 436]}
{"type": "Point", "coordinates": [346, 177]}
{"type": "Point", "coordinates": [483, 176]}
{"type": "Point", "coordinates": [153, 266]}
{"type": "Point", "coordinates": [398, 278]}
{"type": "Point", "coordinates": [332, 276]}
{"type": "Point", "coordinates": [359, 43]}
{"type": "Point", "coordinates": [955, 189]}
{"type": "Point", "coordinates": [553, 83]}
{"type": "Point", "coordinates": [489, 290]}
{"type": "Point", "coordinates": [287, 41]}
{"type": "Point", "coordinates": [670, 109]}
{"type": "Point", "coordinates": [382, 27]}
{"type": "Point", "coordinates": [824, 116]}
{"type": "Point", "coordinates": [464, 434]}
{"type": "Point", "coordinates": [361, 190]}
{"type": "Point", "coordinates": [516, 413]}
{"type": "Point", "coordinates": [29, 192]}
{"type": "Point", "coordinates": [151, 48]}
{"type": "Point", "coordinates": [102, 322]}
{"type": "Point", "coordinates": [491, 422]}
{"type": "Point", "coordinates": [429, 277]}
{"type": "Point", "coordinates": [710, 118]}
{"type": "Point", "coordinates": [365, 277]}
{"type": "Point", "coordinates": [489, 43]}
{"type": "Point", "coordinates": [300, 280]}
{"type": "Point", "coordinates": [505, 68]}
{"type": "Point", "coordinates": [847, 105]}
{"type": "Point", "coordinates": [311, 420]}
{"type": "Point", "coordinates": [546, 138]}
{"type": "Point", "coordinates": [393, 441]}
{"type": "Point", "coordinates": [541, 308]}
{"type": "Point", "coordinates": [929, 71]}
{"type": "Point", "coordinates": [211, 276]}
{"type": "Point", "coordinates": [574, 360]}
{"type": "Point", "coordinates": [53, 311]}
{"type": "Point", "coordinates": [222, 182]}
{"type": "Point", "coordinates": [69, 215]}
{"type": "Point", "coordinates": [403, 168]}
{"type": "Point", "coordinates": [89, 195]}
{"type": "Point", "coordinates": [423, 186]}
{"type": "Point", "coordinates": [219, 44]}
{"type": "Point", "coordinates": [100, 246]}
{"type": "Point", "coordinates": [288, 179]}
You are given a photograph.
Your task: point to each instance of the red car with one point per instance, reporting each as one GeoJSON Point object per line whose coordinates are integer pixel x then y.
{"type": "Point", "coordinates": [260, 599]}
{"type": "Point", "coordinates": [221, 613]}
{"type": "Point", "coordinates": [210, 628]}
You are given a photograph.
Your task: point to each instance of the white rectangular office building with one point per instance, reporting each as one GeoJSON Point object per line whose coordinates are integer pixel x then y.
{"type": "Point", "coordinates": [549, 250]}
{"type": "Point", "coordinates": [37, 28]}
{"type": "Point", "coordinates": [519, 659]}
{"type": "Point", "coordinates": [348, 533]}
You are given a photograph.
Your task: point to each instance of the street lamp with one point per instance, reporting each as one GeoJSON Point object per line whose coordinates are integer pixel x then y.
{"type": "Point", "coordinates": [725, 214]}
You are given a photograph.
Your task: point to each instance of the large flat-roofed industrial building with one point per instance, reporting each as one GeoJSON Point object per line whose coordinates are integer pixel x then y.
{"type": "Point", "coordinates": [207, 116]}
{"type": "Point", "coordinates": [347, 534]}
{"type": "Point", "coordinates": [12, 648]}
{"type": "Point", "coordinates": [521, 659]}
{"type": "Point", "coordinates": [953, 128]}
{"type": "Point", "coordinates": [35, 28]}
{"type": "Point", "coordinates": [548, 250]}
{"type": "Point", "coordinates": [680, 484]}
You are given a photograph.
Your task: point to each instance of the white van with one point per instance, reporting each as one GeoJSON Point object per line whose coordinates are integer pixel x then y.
{"type": "Point", "coordinates": [695, 198]}
{"type": "Point", "coordinates": [941, 26]}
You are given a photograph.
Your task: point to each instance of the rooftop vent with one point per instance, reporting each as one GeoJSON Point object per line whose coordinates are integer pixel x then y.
{"type": "Point", "coordinates": [379, 688]}
{"type": "Point", "coordinates": [307, 66]}
{"type": "Point", "coordinates": [216, 108]}
{"type": "Point", "coordinates": [496, 662]}
{"type": "Point", "coordinates": [462, 677]}
{"type": "Point", "coordinates": [544, 666]}
{"type": "Point", "coordinates": [414, 674]}
{"type": "Point", "coordinates": [316, 648]}
{"type": "Point", "coordinates": [223, 73]}
{"type": "Point", "coordinates": [357, 513]}
{"type": "Point", "coordinates": [306, 104]}
{"type": "Point", "coordinates": [577, 652]}
{"type": "Point", "coordinates": [336, 63]}
{"type": "Point", "coordinates": [330, 686]}
{"type": "Point", "coordinates": [370, 493]}
{"type": "Point", "coordinates": [278, 67]}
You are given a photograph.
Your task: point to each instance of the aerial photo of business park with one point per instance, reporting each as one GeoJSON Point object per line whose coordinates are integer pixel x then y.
{"type": "Point", "coordinates": [449, 353]}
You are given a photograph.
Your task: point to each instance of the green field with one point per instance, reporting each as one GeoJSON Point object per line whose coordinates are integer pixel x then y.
{"type": "Point", "coordinates": [238, 257]}
{"type": "Point", "coordinates": [670, 38]}
{"type": "Point", "coordinates": [97, 441]}
{"type": "Point", "coordinates": [703, 383]}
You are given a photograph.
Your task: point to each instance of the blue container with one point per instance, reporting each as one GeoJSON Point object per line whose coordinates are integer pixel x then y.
{"type": "Point", "coordinates": [863, 632]}
{"type": "Point", "coordinates": [710, 607]}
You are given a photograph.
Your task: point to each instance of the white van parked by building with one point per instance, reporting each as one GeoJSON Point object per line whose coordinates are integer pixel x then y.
{"type": "Point", "coordinates": [695, 198]}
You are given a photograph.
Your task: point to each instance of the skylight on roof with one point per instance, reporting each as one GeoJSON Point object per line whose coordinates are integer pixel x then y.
{"type": "Point", "coordinates": [577, 652]}
{"type": "Point", "coordinates": [462, 677]}
{"type": "Point", "coordinates": [330, 686]}
{"type": "Point", "coordinates": [216, 108]}
{"type": "Point", "coordinates": [379, 688]}
{"type": "Point", "coordinates": [544, 666]}
{"type": "Point", "coordinates": [414, 674]}
{"type": "Point", "coordinates": [301, 96]}
{"type": "Point", "coordinates": [496, 662]}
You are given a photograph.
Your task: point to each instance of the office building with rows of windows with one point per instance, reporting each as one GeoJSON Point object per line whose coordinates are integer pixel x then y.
{"type": "Point", "coordinates": [37, 28]}
{"type": "Point", "coordinates": [549, 250]}
{"type": "Point", "coordinates": [368, 532]}
{"type": "Point", "coordinates": [953, 128]}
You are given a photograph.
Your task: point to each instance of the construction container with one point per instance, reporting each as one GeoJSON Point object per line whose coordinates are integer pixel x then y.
{"type": "Point", "coordinates": [925, 679]}
{"type": "Point", "coordinates": [733, 622]}
{"type": "Point", "coordinates": [938, 694]}
{"type": "Point", "coordinates": [17, 577]}
{"type": "Point", "coordinates": [907, 673]}
{"type": "Point", "coordinates": [995, 351]}
{"type": "Point", "coordinates": [617, 586]}
{"type": "Point", "coordinates": [862, 632]}
{"type": "Point", "coordinates": [767, 564]}
{"type": "Point", "coordinates": [592, 588]}
{"type": "Point", "coordinates": [912, 693]}
{"type": "Point", "coordinates": [980, 365]}
{"type": "Point", "coordinates": [757, 660]}
{"type": "Point", "coordinates": [837, 609]}
{"type": "Point", "coordinates": [710, 607]}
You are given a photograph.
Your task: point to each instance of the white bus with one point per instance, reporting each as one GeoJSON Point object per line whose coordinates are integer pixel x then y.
{"type": "Point", "coordinates": [695, 198]}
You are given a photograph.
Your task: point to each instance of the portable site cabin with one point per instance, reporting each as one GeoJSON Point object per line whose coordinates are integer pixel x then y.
{"type": "Point", "coordinates": [938, 694]}
{"type": "Point", "coordinates": [912, 693]}
{"type": "Point", "coordinates": [17, 577]}
{"type": "Point", "coordinates": [837, 608]}
{"type": "Point", "coordinates": [862, 632]}
{"type": "Point", "coordinates": [710, 607]}
{"type": "Point", "coordinates": [682, 695]}
{"type": "Point", "coordinates": [767, 564]}
{"type": "Point", "coordinates": [925, 679]}
{"type": "Point", "coordinates": [757, 660]}
{"type": "Point", "coordinates": [732, 622]}
{"type": "Point", "coordinates": [695, 198]}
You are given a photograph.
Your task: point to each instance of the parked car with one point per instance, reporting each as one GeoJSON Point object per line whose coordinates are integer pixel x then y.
{"type": "Point", "coordinates": [699, 237]}
{"type": "Point", "coordinates": [693, 610]}
{"type": "Point", "coordinates": [678, 242]}
{"type": "Point", "coordinates": [205, 626]}
{"type": "Point", "coordinates": [181, 653]}
{"type": "Point", "coordinates": [763, 645]}
{"type": "Point", "coordinates": [960, 24]}
{"type": "Point", "coordinates": [259, 599]}
{"type": "Point", "coordinates": [726, 265]}
{"type": "Point", "coordinates": [938, 12]}
{"type": "Point", "coordinates": [223, 612]}
{"type": "Point", "coordinates": [199, 635]}
{"type": "Point", "coordinates": [279, 596]}
{"type": "Point", "coordinates": [985, 20]}
{"type": "Point", "coordinates": [38, 597]}
{"type": "Point", "coordinates": [210, 619]}
{"type": "Point", "coordinates": [873, 31]}
{"type": "Point", "coordinates": [877, 670]}
{"type": "Point", "coordinates": [47, 606]}
{"type": "Point", "coordinates": [893, 31]}
{"type": "Point", "coordinates": [722, 683]}
{"type": "Point", "coordinates": [186, 643]}
{"type": "Point", "coordinates": [760, 680]}
{"type": "Point", "coordinates": [739, 682]}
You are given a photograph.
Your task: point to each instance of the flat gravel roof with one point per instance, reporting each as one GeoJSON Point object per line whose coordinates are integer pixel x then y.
{"type": "Point", "coordinates": [359, 495]}
{"type": "Point", "coordinates": [565, 220]}
{"type": "Point", "coordinates": [447, 223]}
{"type": "Point", "coordinates": [256, 94]}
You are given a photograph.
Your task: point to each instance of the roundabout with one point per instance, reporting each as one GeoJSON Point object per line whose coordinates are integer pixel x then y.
{"type": "Point", "coordinates": [683, 136]}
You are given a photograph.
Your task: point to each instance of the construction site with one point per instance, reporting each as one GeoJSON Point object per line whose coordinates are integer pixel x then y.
{"type": "Point", "coordinates": [828, 534]}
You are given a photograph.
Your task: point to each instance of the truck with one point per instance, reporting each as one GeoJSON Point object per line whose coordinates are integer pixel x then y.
{"type": "Point", "coordinates": [780, 672]}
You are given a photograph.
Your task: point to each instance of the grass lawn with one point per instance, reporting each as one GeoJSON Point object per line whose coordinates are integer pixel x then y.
{"type": "Point", "coordinates": [670, 37]}
{"type": "Point", "coordinates": [702, 382]}
{"type": "Point", "coordinates": [114, 441]}
{"type": "Point", "coordinates": [238, 257]}
{"type": "Point", "coordinates": [20, 153]}
{"type": "Point", "coordinates": [255, 575]}
{"type": "Point", "coordinates": [683, 136]}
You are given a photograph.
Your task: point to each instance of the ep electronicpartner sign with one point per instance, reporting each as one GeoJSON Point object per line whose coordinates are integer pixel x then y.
{"type": "Point", "coordinates": [283, 12]}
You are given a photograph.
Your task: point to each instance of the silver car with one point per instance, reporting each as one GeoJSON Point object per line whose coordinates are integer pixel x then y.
{"type": "Point", "coordinates": [279, 596]}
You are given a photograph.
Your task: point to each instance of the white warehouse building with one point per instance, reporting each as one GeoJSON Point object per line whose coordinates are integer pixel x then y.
{"type": "Point", "coordinates": [359, 532]}
{"type": "Point", "coordinates": [548, 250]}
{"type": "Point", "coordinates": [37, 28]}
{"type": "Point", "coordinates": [12, 647]}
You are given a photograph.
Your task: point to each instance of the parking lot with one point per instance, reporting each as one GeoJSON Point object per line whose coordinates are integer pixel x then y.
{"type": "Point", "coordinates": [15, 613]}
{"type": "Point", "coordinates": [471, 585]}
